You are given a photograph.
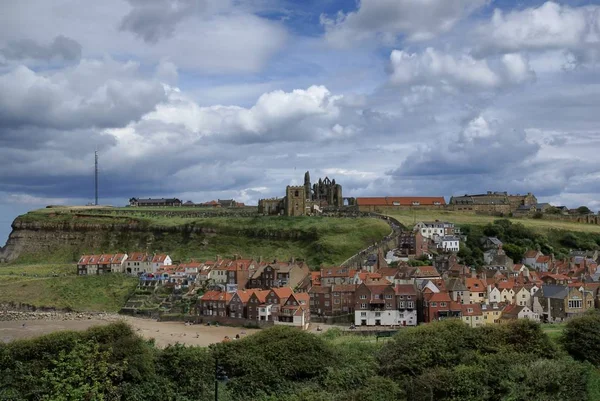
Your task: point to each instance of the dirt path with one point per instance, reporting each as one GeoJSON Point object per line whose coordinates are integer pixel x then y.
{"type": "Point", "coordinates": [164, 333]}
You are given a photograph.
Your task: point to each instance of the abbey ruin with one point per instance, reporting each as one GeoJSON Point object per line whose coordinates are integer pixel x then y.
{"type": "Point", "coordinates": [304, 200]}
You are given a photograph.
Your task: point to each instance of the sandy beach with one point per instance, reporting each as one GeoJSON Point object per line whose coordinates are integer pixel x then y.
{"type": "Point", "coordinates": [164, 333]}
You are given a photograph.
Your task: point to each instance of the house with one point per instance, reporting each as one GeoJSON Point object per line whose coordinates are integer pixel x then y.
{"type": "Point", "coordinates": [430, 229]}
{"type": "Point", "coordinates": [447, 243]}
{"type": "Point", "coordinates": [159, 260]}
{"type": "Point", "coordinates": [458, 291]}
{"type": "Point", "coordinates": [337, 276]}
{"type": "Point", "coordinates": [239, 271]}
{"type": "Point", "coordinates": [543, 263]}
{"type": "Point", "coordinates": [226, 202]}
{"type": "Point", "coordinates": [425, 273]}
{"type": "Point", "coordinates": [238, 305]}
{"type": "Point", "coordinates": [215, 303]}
{"type": "Point", "coordinates": [477, 289]}
{"type": "Point", "coordinates": [472, 315]}
{"type": "Point", "coordinates": [278, 274]}
{"type": "Point", "coordinates": [412, 244]}
{"type": "Point", "coordinates": [295, 311]}
{"type": "Point", "coordinates": [522, 296]}
{"type": "Point", "coordinates": [406, 301]}
{"type": "Point", "coordinates": [101, 264]}
{"type": "Point", "coordinates": [375, 305]}
{"type": "Point", "coordinates": [531, 256]}
{"type": "Point", "coordinates": [320, 303]}
{"type": "Point", "coordinates": [138, 263]}
{"type": "Point", "coordinates": [497, 257]}
{"type": "Point", "coordinates": [342, 299]}
{"type": "Point", "coordinates": [376, 204]}
{"type": "Point", "coordinates": [219, 272]}
{"type": "Point", "coordinates": [507, 292]}
{"type": "Point", "coordinates": [555, 303]}
{"type": "Point", "coordinates": [255, 301]}
{"type": "Point", "coordinates": [491, 313]}
{"type": "Point", "coordinates": [493, 295]}
{"type": "Point", "coordinates": [512, 311]}
{"type": "Point", "coordinates": [492, 243]}
{"type": "Point", "coordinates": [162, 202]}
{"type": "Point", "coordinates": [439, 306]}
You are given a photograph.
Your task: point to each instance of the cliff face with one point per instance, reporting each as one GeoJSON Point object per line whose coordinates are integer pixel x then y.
{"type": "Point", "coordinates": [65, 242]}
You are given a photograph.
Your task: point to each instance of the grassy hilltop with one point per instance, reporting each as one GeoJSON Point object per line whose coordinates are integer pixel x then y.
{"type": "Point", "coordinates": [409, 217]}
{"type": "Point", "coordinates": [200, 233]}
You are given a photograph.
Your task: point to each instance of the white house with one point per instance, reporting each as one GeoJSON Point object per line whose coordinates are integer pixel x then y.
{"type": "Point", "coordinates": [522, 297]}
{"type": "Point", "coordinates": [448, 243]}
{"type": "Point", "coordinates": [159, 260]}
{"type": "Point", "coordinates": [494, 295]}
{"type": "Point", "coordinates": [385, 318]}
{"type": "Point", "coordinates": [429, 229]}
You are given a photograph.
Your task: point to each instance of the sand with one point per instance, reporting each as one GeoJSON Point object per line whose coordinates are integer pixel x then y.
{"type": "Point", "coordinates": [164, 333]}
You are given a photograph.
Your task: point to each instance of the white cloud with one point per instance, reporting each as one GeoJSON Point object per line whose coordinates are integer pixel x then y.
{"type": "Point", "coordinates": [386, 19]}
{"type": "Point", "coordinates": [303, 114]}
{"type": "Point", "coordinates": [432, 67]}
{"type": "Point", "coordinates": [93, 93]}
{"type": "Point", "coordinates": [549, 26]}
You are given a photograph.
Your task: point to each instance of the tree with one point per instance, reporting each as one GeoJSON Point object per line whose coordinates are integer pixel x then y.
{"type": "Point", "coordinates": [584, 210]}
{"type": "Point", "coordinates": [84, 373]}
{"type": "Point", "coordinates": [581, 337]}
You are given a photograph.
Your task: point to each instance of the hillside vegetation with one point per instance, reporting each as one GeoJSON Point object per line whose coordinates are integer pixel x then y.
{"type": "Point", "coordinates": [440, 361]}
{"type": "Point", "coordinates": [58, 286]}
{"type": "Point", "coordinates": [184, 235]}
{"type": "Point", "coordinates": [409, 217]}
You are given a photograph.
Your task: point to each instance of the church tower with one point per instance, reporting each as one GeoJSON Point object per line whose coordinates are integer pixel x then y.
{"type": "Point", "coordinates": [307, 190]}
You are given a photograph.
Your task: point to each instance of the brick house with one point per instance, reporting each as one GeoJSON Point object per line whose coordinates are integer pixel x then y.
{"type": "Point", "coordinates": [439, 306]}
{"type": "Point", "coordinates": [320, 301]}
{"type": "Point", "coordinates": [342, 299]}
{"type": "Point", "coordinates": [215, 303]}
{"type": "Point", "coordinates": [336, 276]}
{"type": "Point", "coordinates": [254, 303]}
{"type": "Point", "coordinates": [375, 305]}
{"type": "Point", "coordinates": [294, 311]}
{"type": "Point", "coordinates": [101, 264]}
{"type": "Point", "coordinates": [278, 274]}
{"type": "Point", "coordinates": [238, 306]}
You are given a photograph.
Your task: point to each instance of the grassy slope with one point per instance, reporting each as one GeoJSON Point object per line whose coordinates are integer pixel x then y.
{"type": "Point", "coordinates": [318, 240]}
{"type": "Point", "coordinates": [409, 217]}
{"type": "Point", "coordinates": [94, 293]}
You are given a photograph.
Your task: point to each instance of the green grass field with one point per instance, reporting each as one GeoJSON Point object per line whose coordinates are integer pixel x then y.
{"type": "Point", "coordinates": [183, 235]}
{"type": "Point", "coordinates": [554, 330]}
{"type": "Point", "coordinates": [107, 293]}
{"type": "Point", "coordinates": [409, 217]}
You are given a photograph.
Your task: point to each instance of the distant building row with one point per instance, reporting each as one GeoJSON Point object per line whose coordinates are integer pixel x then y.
{"type": "Point", "coordinates": [174, 202]}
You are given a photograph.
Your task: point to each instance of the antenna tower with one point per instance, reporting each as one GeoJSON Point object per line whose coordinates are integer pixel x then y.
{"type": "Point", "coordinates": [96, 176]}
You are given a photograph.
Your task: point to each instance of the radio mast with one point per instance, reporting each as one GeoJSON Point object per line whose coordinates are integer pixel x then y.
{"type": "Point", "coordinates": [96, 176]}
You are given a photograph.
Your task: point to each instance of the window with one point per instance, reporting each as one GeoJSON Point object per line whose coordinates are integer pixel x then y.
{"type": "Point", "coordinates": [408, 297]}
{"type": "Point", "coordinates": [388, 306]}
{"type": "Point", "coordinates": [326, 303]}
{"type": "Point", "coordinates": [363, 314]}
{"type": "Point", "coordinates": [377, 314]}
{"type": "Point", "coordinates": [363, 297]}
{"type": "Point", "coordinates": [410, 304]}
{"type": "Point", "coordinates": [443, 304]}
{"type": "Point", "coordinates": [337, 301]}
{"type": "Point", "coordinates": [336, 294]}
{"type": "Point", "coordinates": [363, 306]}
{"type": "Point", "coordinates": [575, 303]}
{"type": "Point", "coordinates": [470, 310]}
{"type": "Point", "coordinates": [401, 297]}
{"type": "Point", "coordinates": [401, 304]}
{"type": "Point", "coordinates": [377, 296]}
{"type": "Point", "coordinates": [434, 304]}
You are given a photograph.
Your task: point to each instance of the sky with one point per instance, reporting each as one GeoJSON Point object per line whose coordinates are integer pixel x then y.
{"type": "Point", "coordinates": [219, 99]}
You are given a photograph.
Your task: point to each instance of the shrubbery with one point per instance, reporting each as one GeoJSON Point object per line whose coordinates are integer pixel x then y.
{"type": "Point", "coordinates": [440, 361]}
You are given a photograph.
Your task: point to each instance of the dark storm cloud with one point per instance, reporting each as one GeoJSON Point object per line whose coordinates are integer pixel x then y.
{"type": "Point", "coordinates": [153, 20]}
{"type": "Point", "coordinates": [61, 48]}
{"type": "Point", "coordinates": [31, 99]}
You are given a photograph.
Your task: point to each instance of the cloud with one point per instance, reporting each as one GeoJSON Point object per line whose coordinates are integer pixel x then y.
{"type": "Point", "coordinates": [417, 20]}
{"type": "Point", "coordinates": [312, 114]}
{"type": "Point", "coordinates": [61, 48]}
{"type": "Point", "coordinates": [432, 67]}
{"type": "Point", "coordinates": [482, 148]}
{"type": "Point", "coordinates": [91, 94]}
{"type": "Point", "coordinates": [547, 27]}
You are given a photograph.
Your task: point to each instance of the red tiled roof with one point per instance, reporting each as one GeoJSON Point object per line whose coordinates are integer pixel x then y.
{"type": "Point", "coordinates": [471, 310]}
{"type": "Point", "coordinates": [137, 257]}
{"type": "Point", "coordinates": [400, 200]}
{"type": "Point", "coordinates": [475, 284]}
{"type": "Point", "coordinates": [426, 271]}
{"type": "Point", "coordinates": [216, 296]}
{"type": "Point", "coordinates": [343, 288]}
{"type": "Point", "coordinates": [439, 297]}
{"type": "Point", "coordinates": [405, 289]}
{"type": "Point", "coordinates": [283, 292]}
{"type": "Point", "coordinates": [159, 258]}
{"type": "Point", "coordinates": [543, 259]}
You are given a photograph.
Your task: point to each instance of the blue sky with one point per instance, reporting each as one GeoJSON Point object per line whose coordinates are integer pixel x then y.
{"type": "Point", "coordinates": [207, 99]}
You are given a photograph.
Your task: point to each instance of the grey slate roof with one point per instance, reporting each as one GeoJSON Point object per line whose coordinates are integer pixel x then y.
{"type": "Point", "coordinates": [552, 291]}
